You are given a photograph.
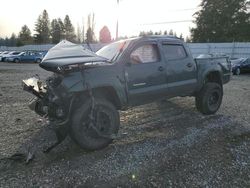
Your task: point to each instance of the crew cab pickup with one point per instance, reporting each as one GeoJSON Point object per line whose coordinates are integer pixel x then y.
{"type": "Point", "coordinates": [87, 90]}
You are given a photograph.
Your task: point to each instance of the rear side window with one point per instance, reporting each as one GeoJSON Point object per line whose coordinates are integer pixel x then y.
{"type": "Point", "coordinates": [174, 51]}
{"type": "Point", "coordinates": [145, 54]}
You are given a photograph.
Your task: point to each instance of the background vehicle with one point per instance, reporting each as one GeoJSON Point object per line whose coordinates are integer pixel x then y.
{"type": "Point", "coordinates": [26, 57]}
{"type": "Point", "coordinates": [15, 53]}
{"type": "Point", "coordinates": [3, 54]}
{"type": "Point", "coordinates": [9, 54]}
{"type": "Point", "coordinates": [87, 89]}
{"type": "Point", "coordinates": [43, 53]}
{"type": "Point", "coordinates": [240, 65]}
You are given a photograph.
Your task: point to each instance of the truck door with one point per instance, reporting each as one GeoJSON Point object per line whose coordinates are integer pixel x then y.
{"type": "Point", "coordinates": [181, 69]}
{"type": "Point", "coordinates": [145, 74]}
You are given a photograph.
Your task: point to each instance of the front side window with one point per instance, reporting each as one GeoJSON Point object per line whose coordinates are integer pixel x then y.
{"type": "Point", "coordinates": [145, 54]}
{"type": "Point", "coordinates": [112, 50]}
{"type": "Point", "coordinates": [174, 51]}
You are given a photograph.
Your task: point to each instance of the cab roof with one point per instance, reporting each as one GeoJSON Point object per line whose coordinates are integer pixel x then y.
{"type": "Point", "coordinates": [156, 37]}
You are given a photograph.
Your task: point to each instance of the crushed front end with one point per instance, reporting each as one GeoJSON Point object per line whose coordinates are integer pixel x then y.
{"type": "Point", "coordinates": [64, 91]}
{"type": "Point", "coordinates": [55, 97]}
{"type": "Point", "coordinates": [52, 100]}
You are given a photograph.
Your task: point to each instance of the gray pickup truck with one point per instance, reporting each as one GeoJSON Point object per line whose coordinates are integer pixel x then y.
{"type": "Point", "coordinates": [87, 90]}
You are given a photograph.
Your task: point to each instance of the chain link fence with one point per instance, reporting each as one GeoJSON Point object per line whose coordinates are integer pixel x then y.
{"type": "Point", "coordinates": [234, 50]}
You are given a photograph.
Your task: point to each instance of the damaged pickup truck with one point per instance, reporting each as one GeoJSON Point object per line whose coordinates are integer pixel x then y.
{"type": "Point", "coordinates": [86, 91]}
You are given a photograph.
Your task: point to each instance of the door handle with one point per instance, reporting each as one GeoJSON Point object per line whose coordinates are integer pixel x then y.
{"type": "Point", "coordinates": [160, 68]}
{"type": "Point", "coordinates": [189, 65]}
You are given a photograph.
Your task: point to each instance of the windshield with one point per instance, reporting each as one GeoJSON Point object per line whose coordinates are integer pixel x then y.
{"type": "Point", "coordinates": [111, 51]}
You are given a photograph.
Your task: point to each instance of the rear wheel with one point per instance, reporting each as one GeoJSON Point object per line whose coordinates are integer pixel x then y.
{"type": "Point", "coordinates": [209, 99]}
{"type": "Point", "coordinates": [95, 131]}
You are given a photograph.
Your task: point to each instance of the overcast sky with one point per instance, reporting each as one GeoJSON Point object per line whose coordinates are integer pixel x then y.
{"type": "Point", "coordinates": [134, 15]}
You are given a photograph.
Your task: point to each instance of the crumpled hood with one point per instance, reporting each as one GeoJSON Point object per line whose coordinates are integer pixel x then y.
{"type": "Point", "coordinates": [67, 53]}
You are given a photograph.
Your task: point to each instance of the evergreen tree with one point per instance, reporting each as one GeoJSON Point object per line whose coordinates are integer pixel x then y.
{"type": "Point", "coordinates": [6, 41]}
{"type": "Point", "coordinates": [55, 31]}
{"type": "Point", "coordinates": [62, 28]}
{"type": "Point", "coordinates": [150, 33]}
{"type": "Point", "coordinates": [181, 37]}
{"type": "Point", "coordinates": [42, 28]}
{"type": "Point", "coordinates": [24, 37]}
{"type": "Point", "coordinates": [13, 40]}
{"type": "Point", "coordinates": [69, 30]}
{"type": "Point", "coordinates": [222, 21]}
{"type": "Point", "coordinates": [2, 42]}
{"type": "Point", "coordinates": [171, 32]}
{"type": "Point", "coordinates": [188, 40]}
{"type": "Point", "coordinates": [142, 33]}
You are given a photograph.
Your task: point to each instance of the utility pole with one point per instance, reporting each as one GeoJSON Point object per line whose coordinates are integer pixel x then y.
{"type": "Point", "coordinates": [117, 24]}
{"type": "Point", "coordinates": [116, 30]}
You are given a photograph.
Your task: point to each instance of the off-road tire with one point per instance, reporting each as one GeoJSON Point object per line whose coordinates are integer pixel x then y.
{"type": "Point", "coordinates": [209, 99]}
{"type": "Point", "coordinates": [83, 133]}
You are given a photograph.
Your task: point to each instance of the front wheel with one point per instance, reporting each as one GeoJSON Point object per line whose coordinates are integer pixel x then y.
{"type": "Point", "coordinates": [209, 99]}
{"type": "Point", "coordinates": [93, 126]}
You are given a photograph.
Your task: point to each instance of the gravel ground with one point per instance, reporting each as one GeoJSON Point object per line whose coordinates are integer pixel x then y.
{"type": "Point", "coordinates": [163, 144]}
